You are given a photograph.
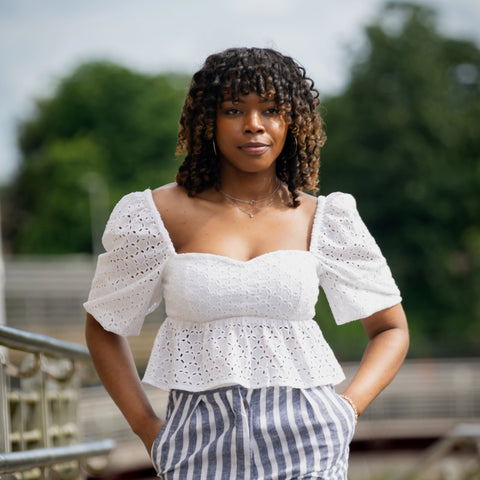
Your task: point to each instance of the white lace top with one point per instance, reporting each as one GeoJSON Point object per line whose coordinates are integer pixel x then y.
{"type": "Point", "coordinates": [234, 322]}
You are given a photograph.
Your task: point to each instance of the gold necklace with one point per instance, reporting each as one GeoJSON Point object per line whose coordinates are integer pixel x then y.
{"type": "Point", "coordinates": [253, 212]}
{"type": "Point", "coordinates": [252, 203]}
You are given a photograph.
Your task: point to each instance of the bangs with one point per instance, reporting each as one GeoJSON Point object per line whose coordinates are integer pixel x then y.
{"type": "Point", "coordinates": [242, 72]}
{"type": "Point", "coordinates": [237, 84]}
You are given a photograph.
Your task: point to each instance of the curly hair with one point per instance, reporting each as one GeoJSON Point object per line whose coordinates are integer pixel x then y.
{"type": "Point", "coordinates": [237, 72]}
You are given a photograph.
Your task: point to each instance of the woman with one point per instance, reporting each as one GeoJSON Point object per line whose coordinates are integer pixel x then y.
{"type": "Point", "coordinates": [238, 251]}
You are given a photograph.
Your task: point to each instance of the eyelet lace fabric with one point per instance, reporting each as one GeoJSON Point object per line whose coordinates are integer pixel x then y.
{"type": "Point", "coordinates": [233, 322]}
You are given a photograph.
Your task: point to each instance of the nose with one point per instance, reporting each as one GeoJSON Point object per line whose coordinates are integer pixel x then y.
{"type": "Point", "coordinates": [253, 123]}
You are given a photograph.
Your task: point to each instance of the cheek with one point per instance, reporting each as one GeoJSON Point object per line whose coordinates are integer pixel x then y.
{"type": "Point", "coordinates": [221, 134]}
{"type": "Point", "coordinates": [279, 125]}
{"type": "Point", "coordinates": [225, 129]}
{"type": "Point", "coordinates": [281, 130]}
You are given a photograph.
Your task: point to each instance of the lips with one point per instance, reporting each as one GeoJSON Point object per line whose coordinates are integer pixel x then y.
{"type": "Point", "coordinates": [254, 148]}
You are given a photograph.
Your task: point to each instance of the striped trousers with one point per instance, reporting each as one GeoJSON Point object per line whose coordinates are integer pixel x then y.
{"type": "Point", "coordinates": [272, 433]}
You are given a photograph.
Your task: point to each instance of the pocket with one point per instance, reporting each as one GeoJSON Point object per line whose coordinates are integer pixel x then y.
{"type": "Point", "coordinates": [333, 424]}
{"type": "Point", "coordinates": [350, 415]}
{"type": "Point", "coordinates": [349, 408]}
{"type": "Point", "coordinates": [176, 428]}
{"type": "Point", "coordinates": [154, 449]}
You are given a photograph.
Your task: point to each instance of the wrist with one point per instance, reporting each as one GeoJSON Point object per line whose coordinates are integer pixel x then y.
{"type": "Point", "coordinates": [352, 404]}
{"type": "Point", "coordinates": [150, 431]}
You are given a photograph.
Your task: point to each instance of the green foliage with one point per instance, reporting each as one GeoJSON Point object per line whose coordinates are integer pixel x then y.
{"type": "Point", "coordinates": [103, 124]}
{"type": "Point", "coordinates": [403, 138]}
{"type": "Point", "coordinates": [348, 341]}
{"type": "Point", "coordinates": [64, 203]}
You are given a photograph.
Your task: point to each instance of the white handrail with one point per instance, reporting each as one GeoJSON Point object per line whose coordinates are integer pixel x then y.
{"type": "Point", "coordinates": [20, 461]}
{"type": "Point", "coordinates": [39, 406]}
{"type": "Point", "coordinates": [37, 343]}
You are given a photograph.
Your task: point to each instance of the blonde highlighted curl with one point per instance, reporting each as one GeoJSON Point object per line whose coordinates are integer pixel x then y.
{"type": "Point", "coordinates": [237, 72]}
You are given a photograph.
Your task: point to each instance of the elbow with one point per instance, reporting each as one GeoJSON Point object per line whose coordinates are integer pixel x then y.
{"type": "Point", "coordinates": [398, 338]}
{"type": "Point", "coordinates": [403, 341]}
{"type": "Point", "coordinates": [403, 333]}
{"type": "Point", "coordinates": [389, 328]}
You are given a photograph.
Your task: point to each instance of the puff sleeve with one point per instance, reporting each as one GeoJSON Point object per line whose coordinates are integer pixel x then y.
{"type": "Point", "coordinates": [127, 282]}
{"type": "Point", "coordinates": [352, 270]}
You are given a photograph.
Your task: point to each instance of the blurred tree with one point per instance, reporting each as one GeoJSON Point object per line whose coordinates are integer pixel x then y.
{"type": "Point", "coordinates": [105, 129]}
{"type": "Point", "coordinates": [404, 139]}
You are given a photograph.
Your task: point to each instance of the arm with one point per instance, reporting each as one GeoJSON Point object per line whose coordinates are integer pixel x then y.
{"type": "Point", "coordinates": [114, 363]}
{"type": "Point", "coordinates": [387, 331]}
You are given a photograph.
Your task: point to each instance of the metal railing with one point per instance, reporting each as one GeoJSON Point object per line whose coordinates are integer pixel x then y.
{"type": "Point", "coordinates": [462, 435]}
{"type": "Point", "coordinates": [40, 379]}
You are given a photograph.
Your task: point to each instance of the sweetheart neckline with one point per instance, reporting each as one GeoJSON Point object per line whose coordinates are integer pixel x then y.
{"type": "Point", "coordinates": [236, 260]}
{"type": "Point", "coordinates": [149, 195]}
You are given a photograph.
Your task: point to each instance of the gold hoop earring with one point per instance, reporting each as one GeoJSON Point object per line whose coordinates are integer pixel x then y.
{"type": "Point", "coordinates": [295, 146]}
{"type": "Point", "coordinates": [214, 148]}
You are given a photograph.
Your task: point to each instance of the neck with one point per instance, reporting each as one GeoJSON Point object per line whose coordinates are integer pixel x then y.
{"type": "Point", "coordinates": [250, 186]}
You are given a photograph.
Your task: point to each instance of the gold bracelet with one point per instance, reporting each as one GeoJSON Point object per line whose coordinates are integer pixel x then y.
{"type": "Point", "coordinates": [350, 402]}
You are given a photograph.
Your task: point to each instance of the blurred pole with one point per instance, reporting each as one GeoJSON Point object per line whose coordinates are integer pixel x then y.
{"type": "Point", "coordinates": [97, 190]}
{"type": "Point", "coordinates": [3, 317]}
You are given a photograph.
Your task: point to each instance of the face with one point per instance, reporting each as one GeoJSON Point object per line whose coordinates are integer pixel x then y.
{"type": "Point", "coordinates": [250, 133]}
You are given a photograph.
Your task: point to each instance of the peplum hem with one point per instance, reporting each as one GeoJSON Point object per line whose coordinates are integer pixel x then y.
{"type": "Point", "coordinates": [251, 351]}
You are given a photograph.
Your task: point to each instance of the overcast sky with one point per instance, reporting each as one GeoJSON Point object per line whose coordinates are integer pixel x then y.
{"type": "Point", "coordinates": [43, 40]}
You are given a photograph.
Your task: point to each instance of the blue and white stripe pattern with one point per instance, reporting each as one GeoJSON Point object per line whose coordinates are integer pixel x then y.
{"type": "Point", "coordinates": [272, 433]}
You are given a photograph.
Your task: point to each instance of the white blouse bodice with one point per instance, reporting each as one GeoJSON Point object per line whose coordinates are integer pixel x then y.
{"type": "Point", "coordinates": [235, 322]}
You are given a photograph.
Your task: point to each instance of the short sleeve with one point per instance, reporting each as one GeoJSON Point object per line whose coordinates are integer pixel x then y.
{"type": "Point", "coordinates": [127, 282]}
{"type": "Point", "coordinates": [352, 270]}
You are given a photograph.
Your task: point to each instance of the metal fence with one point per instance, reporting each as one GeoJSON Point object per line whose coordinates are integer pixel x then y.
{"type": "Point", "coordinates": [40, 380]}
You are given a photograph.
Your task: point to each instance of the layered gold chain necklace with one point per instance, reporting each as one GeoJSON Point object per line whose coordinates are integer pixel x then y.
{"type": "Point", "coordinates": [237, 202]}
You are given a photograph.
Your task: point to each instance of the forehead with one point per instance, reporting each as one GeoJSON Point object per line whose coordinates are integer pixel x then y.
{"type": "Point", "coordinates": [249, 98]}
{"type": "Point", "coordinates": [230, 94]}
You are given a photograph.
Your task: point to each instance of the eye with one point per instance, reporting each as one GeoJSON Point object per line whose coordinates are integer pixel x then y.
{"type": "Point", "coordinates": [271, 111]}
{"type": "Point", "coordinates": [231, 111]}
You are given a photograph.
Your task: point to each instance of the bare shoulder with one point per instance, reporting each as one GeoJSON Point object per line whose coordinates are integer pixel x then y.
{"type": "Point", "coordinates": [182, 215]}
{"type": "Point", "coordinates": [308, 204]}
{"type": "Point", "coordinates": [168, 197]}
{"type": "Point", "coordinates": [167, 190]}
